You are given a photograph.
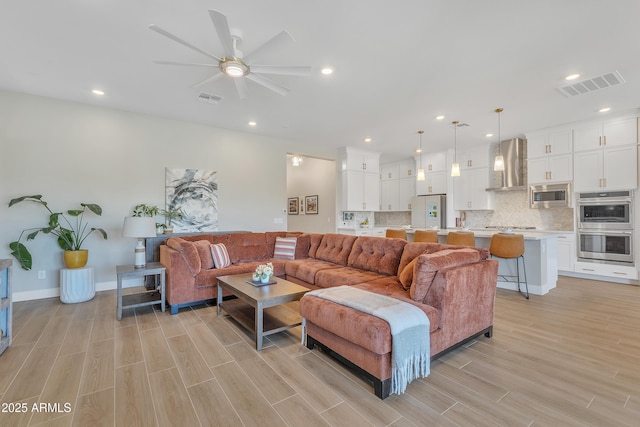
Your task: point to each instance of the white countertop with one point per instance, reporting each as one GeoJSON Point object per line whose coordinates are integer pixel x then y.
{"type": "Point", "coordinates": [486, 233]}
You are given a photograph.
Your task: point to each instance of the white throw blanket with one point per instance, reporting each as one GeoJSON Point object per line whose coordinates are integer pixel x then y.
{"type": "Point", "coordinates": [410, 350]}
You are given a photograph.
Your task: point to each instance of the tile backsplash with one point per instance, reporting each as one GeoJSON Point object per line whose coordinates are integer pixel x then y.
{"type": "Point", "coordinates": [512, 209]}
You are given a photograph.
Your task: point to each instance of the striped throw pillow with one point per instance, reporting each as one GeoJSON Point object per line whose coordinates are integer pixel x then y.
{"type": "Point", "coordinates": [220, 255]}
{"type": "Point", "coordinates": [285, 248]}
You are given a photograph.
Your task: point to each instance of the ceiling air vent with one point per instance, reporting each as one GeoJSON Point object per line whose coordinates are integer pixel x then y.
{"type": "Point", "coordinates": [209, 98]}
{"type": "Point", "coordinates": [592, 84]}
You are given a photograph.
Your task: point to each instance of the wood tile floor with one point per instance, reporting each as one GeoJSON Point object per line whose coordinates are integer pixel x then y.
{"type": "Point", "coordinates": [569, 358]}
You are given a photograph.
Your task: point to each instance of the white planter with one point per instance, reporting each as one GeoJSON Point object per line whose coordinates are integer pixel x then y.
{"type": "Point", "coordinates": [76, 285]}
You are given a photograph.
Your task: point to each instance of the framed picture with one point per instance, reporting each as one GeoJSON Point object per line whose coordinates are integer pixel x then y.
{"type": "Point", "coordinates": [311, 204]}
{"type": "Point", "coordinates": [293, 206]}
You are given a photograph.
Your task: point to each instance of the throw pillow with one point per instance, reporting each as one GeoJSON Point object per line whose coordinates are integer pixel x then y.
{"type": "Point", "coordinates": [220, 255]}
{"type": "Point", "coordinates": [285, 248]}
{"type": "Point", "coordinates": [204, 251]}
{"type": "Point", "coordinates": [406, 275]}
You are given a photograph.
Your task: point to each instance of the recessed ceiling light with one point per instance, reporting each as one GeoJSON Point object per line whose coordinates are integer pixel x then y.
{"type": "Point", "coordinates": [327, 70]}
{"type": "Point", "coordinates": [418, 150]}
{"type": "Point", "coordinates": [252, 123]}
{"type": "Point", "coordinates": [97, 92]}
{"type": "Point", "coordinates": [489, 135]}
{"type": "Point", "coordinates": [604, 110]}
{"type": "Point", "coordinates": [572, 76]}
{"type": "Point", "coordinates": [367, 140]}
{"type": "Point", "coordinates": [439, 117]}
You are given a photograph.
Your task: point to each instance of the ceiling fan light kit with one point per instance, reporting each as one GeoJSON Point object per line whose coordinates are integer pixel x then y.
{"type": "Point", "coordinates": [233, 67]}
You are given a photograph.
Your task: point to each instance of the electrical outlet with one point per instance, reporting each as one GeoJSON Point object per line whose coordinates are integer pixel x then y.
{"type": "Point", "coordinates": [42, 274]}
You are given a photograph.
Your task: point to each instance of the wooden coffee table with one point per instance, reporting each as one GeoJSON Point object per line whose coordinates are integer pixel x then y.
{"type": "Point", "coordinates": [260, 309]}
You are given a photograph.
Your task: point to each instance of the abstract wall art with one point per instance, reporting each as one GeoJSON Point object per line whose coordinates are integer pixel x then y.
{"type": "Point", "coordinates": [195, 193]}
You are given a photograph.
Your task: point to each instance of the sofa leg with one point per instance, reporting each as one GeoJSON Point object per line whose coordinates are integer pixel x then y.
{"type": "Point", "coordinates": [489, 332]}
{"type": "Point", "coordinates": [174, 309]}
{"type": "Point", "coordinates": [382, 388]}
{"type": "Point", "coordinates": [310, 342]}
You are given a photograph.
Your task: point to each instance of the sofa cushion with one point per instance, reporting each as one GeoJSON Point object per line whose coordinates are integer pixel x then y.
{"type": "Point", "coordinates": [328, 278]}
{"type": "Point", "coordinates": [428, 265]}
{"type": "Point", "coordinates": [376, 254]}
{"type": "Point", "coordinates": [335, 248]}
{"type": "Point", "coordinates": [188, 252]}
{"type": "Point", "coordinates": [406, 275]}
{"type": "Point", "coordinates": [306, 269]}
{"type": "Point", "coordinates": [220, 255]}
{"type": "Point", "coordinates": [204, 252]}
{"type": "Point", "coordinates": [314, 243]}
{"type": "Point", "coordinates": [285, 248]}
{"type": "Point", "coordinates": [244, 247]}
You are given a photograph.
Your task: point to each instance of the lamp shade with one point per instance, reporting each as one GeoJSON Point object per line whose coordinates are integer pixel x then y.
{"type": "Point", "coordinates": [139, 226]}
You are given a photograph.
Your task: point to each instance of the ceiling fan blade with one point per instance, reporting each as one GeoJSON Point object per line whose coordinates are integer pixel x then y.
{"type": "Point", "coordinates": [275, 43]}
{"type": "Point", "coordinates": [224, 33]}
{"type": "Point", "coordinates": [191, 64]}
{"type": "Point", "coordinates": [268, 83]}
{"type": "Point", "coordinates": [182, 42]}
{"type": "Point", "coordinates": [241, 87]}
{"type": "Point", "coordinates": [282, 70]}
{"type": "Point", "coordinates": [207, 80]}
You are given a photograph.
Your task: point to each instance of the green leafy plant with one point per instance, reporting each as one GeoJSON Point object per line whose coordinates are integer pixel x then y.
{"type": "Point", "coordinates": [146, 210]}
{"type": "Point", "coordinates": [171, 214]}
{"type": "Point", "coordinates": [70, 228]}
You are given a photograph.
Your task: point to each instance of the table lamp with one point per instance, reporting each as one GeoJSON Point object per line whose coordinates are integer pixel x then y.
{"type": "Point", "coordinates": [139, 227]}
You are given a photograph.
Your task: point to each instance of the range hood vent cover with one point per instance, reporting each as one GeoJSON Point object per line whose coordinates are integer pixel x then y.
{"type": "Point", "coordinates": [514, 176]}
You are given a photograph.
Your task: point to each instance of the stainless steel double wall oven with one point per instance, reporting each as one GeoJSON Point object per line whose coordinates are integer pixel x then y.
{"type": "Point", "coordinates": [605, 227]}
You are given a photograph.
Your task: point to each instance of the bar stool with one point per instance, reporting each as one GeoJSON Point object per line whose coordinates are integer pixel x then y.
{"type": "Point", "coordinates": [462, 238]}
{"type": "Point", "coordinates": [396, 234]}
{"type": "Point", "coordinates": [510, 246]}
{"type": "Point", "coordinates": [429, 236]}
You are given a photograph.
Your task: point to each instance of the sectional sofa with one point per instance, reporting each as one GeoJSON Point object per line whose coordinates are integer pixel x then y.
{"type": "Point", "coordinates": [454, 286]}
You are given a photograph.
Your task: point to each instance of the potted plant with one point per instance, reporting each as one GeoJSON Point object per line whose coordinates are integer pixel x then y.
{"type": "Point", "coordinates": [70, 228]}
{"type": "Point", "coordinates": [169, 215]}
{"type": "Point", "coordinates": [148, 210]}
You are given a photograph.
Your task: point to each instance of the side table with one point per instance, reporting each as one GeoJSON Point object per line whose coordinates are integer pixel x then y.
{"type": "Point", "coordinates": [129, 271]}
{"type": "Point", "coordinates": [76, 285]}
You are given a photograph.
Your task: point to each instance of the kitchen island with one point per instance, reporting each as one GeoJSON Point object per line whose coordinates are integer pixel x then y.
{"type": "Point", "coordinates": [540, 258]}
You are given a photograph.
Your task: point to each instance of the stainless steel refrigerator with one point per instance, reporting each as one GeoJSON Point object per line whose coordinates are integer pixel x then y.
{"type": "Point", "coordinates": [429, 211]}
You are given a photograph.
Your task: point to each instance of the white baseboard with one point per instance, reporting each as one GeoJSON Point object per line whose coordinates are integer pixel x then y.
{"type": "Point", "coordinates": [55, 292]}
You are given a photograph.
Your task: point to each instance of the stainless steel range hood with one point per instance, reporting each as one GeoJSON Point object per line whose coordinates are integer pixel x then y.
{"type": "Point", "coordinates": [514, 176]}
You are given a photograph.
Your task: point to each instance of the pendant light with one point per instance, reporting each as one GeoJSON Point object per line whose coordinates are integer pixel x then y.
{"type": "Point", "coordinates": [498, 164]}
{"type": "Point", "coordinates": [455, 167]}
{"type": "Point", "coordinates": [420, 168]}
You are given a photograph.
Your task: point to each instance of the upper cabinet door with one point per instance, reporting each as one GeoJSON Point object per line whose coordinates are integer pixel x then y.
{"type": "Point", "coordinates": [623, 132]}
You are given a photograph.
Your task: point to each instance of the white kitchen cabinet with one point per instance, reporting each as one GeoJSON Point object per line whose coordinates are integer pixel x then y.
{"type": "Point", "coordinates": [355, 159]}
{"type": "Point", "coordinates": [566, 251]}
{"type": "Point", "coordinates": [474, 157]}
{"type": "Point", "coordinates": [620, 272]}
{"type": "Point", "coordinates": [550, 169]}
{"type": "Point", "coordinates": [611, 168]}
{"type": "Point", "coordinates": [550, 157]}
{"type": "Point", "coordinates": [397, 185]}
{"type": "Point", "coordinates": [360, 191]}
{"type": "Point", "coordinates": [360, 180]}
{"type": "Point", "coordinates": [469, 190]}
{"type": "Point", "coordinates": [435, 174]}
{"type": "Point", "coordinates": [608, 134]}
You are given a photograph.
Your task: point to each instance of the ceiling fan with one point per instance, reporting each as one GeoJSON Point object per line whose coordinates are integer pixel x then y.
{"type": "Point", "coordinates": [236, 66]}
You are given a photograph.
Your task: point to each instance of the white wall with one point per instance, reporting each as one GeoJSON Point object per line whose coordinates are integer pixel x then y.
{"type": "Point", "coordinates": [313, 177]}
{"type": "Point", "coordinates": [72, 153]}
